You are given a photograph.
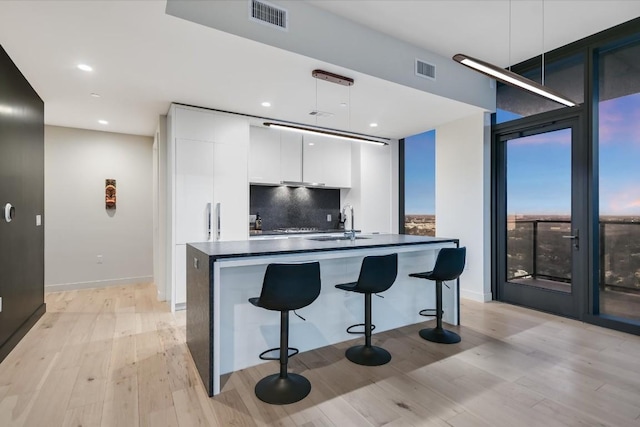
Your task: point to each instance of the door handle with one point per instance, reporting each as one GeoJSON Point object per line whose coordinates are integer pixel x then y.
{"type": "Point", "coordinates": [9, 212]}
{"type": "Point", "coordinates": [575, 237]}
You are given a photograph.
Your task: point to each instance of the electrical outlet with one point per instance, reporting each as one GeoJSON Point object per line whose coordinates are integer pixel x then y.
{"type": "Point", "coordinates": [328, 217]}
{"type": "Point", "coordinates": [0, 304]}
{"type": "Point", "coordinates": [99, 259]}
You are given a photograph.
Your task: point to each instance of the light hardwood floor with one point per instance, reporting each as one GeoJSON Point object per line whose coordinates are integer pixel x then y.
{"type": "Point", "coordinates": [116, 357]}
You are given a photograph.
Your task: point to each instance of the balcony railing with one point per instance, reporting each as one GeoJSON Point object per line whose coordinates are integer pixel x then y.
{"type": "Point", "coordinates": [536, 249]}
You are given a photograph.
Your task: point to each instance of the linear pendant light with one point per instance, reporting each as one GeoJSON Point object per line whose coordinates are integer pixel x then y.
{"type": "Point", "coordinates": [512, 79]}
{"type": "Point", "coordinates": [325, 132]}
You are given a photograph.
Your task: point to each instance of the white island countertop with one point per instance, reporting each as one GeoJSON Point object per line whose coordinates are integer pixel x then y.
{"type": "Point", "coordinates": [251, 248]}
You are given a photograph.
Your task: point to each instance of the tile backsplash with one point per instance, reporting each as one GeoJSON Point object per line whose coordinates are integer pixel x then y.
{"type": "Point", "coordinates": [285, 207]}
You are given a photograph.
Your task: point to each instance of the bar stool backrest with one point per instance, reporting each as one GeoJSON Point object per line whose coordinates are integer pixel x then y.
{"type": "Point", "coordinates": [377, 274]}
{"type": "Point", "coordinates": [290, 286]}
{"type": "Point", "coordinates": [449, 264]}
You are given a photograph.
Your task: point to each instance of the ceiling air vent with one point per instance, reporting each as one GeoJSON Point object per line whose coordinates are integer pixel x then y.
{"type": "Point", "coordinates": [426, 70]}
{"type": "Point", "coordinates": [269, 14]}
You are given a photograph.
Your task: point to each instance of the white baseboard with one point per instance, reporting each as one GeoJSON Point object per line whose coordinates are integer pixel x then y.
{"type": "Point", "coordinates": [181, 306]}
{"type": "Point", "coordinates": [476, 296]}
{"type": "Point", "coordinates": [97, 284]}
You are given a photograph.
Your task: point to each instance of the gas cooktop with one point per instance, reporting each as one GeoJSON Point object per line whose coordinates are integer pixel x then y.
{"type": "Point", "coordinates": [296, 230]}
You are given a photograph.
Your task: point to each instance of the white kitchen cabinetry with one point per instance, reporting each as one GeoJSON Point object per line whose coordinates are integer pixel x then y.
{"type": "Point", "coordinates": [277, 156]}
{"type": "Point", "coordinates": [326, 161]}
{"type": "Point", "coordinates": [290, 156]}
{"type": "Point", "coordinates": [208, 162]}
{"type": "Point", "coordinates": [274, 156]}
{"type": "Point", "coordinates": [264, 156]}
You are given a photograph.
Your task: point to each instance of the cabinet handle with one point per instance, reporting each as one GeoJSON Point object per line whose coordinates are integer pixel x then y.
{"type": "Point", "coordinates": [209, 221]}
{"type": "Point", "coordinates": [218, 221]}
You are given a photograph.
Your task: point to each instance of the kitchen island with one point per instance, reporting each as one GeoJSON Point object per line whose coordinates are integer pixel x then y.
{"type": "Point", "coordinates": [226, 333]}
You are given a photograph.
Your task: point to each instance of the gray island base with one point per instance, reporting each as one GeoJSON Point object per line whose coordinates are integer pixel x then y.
{"type": "Point", "coordinates": [225, 333]}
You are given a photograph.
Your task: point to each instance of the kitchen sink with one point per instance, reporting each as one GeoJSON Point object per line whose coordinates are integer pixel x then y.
{"type": "Point", "coordinates": [334, 238]}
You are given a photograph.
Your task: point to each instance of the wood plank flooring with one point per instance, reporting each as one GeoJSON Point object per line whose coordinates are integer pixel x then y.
{"type": "Point", "coordinates": [117, 357]}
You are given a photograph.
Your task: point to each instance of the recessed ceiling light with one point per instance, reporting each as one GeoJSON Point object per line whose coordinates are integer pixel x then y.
{"type": "Point", "coordinates": [85, 67]}
{"type": "Point", "coordinates": [266, 104]}
{"type": "Point", "coordinates": [343, 104]}
{"type": "Point", "coordinates": [311, 143]}
{"type": "Point", "coordinates": [95, 95]}
{"type": "Point", "coordinates": [103, 122]}
{"type": "Point", "coordinates": [373, 125]}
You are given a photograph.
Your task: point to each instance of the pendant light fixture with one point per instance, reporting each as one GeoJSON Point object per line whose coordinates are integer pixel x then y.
{"type": "Point", "coordinates": [330, 133]}
{"type": "Point", "coordinates": [511, 78]}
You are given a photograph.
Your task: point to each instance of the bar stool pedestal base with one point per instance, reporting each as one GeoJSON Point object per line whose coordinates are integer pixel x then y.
{"type": "Point", "coordinates": [368, 356]}
{"type": "Point", "coordinates": [282, 391]}
{"type": "Point", "coordinates": [439, 335]}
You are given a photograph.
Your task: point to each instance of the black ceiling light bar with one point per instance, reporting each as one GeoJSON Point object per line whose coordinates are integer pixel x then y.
{"type": "Point", "coordinates": [328, 133]}
{"type": "Point", "coordinates": [513, 79]}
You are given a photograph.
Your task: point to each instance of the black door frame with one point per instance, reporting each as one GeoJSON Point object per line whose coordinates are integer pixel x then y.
{"type": "Point", "coordinates": [576, 305]}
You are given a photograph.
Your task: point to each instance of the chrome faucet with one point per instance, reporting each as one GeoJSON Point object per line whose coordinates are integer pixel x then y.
{"type": "Point", "coordinates": [352, 233]}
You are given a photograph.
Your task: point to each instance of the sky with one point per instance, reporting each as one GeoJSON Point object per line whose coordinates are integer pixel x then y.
{"type": "Point", "coordinates": [538, 167]}
{"type": "Point", "coordinates": [420, 174]}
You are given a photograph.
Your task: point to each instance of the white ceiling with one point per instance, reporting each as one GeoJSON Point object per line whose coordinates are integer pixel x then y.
{"type": "Point", "coordinates": [144, 59]}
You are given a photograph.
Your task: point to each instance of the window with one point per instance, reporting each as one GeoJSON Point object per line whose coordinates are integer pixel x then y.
{"type": "Point", "coordinates": [565, 75]}
{"type": "Point", "coordinates": [419, 184]}
{"type": "Point", "coordinates": [619, 175]}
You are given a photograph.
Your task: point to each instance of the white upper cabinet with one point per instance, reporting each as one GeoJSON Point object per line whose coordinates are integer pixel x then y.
{"type": "Point", "coordinates": [290, 156]}
{"type": "Point", "coordinates": [197, 125]}
{"type": "Point", "coordinates": [264, 156]}
{"type": "Point", "coordinates": [326, 161]}
{"type": "Point", "coordinates": [277, 156]}
{"type": "Point", "coordinates": [274, 156]}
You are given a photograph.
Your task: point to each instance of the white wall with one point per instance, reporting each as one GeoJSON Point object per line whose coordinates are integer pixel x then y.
{"type": "Point", "coordinates": [78, 228]}
{"type": "Point", "coordinates": [463, 197]}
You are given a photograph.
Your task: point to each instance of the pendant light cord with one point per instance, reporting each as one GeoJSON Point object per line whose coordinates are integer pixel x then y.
{"type": "Point", "coordinates": [542, 42]}
{"type": "Point", "coordinates": [509, 35]}
{"type": "Point", "coordinates": [349, 108]}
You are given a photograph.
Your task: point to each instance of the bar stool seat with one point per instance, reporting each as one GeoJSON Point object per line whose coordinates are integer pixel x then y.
{"type": "Point", "coordinates": [377, 274]}
{"type": "Point", "coordinates": [286, 287]}
{"type": "Point", "coordinates": [449, 265]}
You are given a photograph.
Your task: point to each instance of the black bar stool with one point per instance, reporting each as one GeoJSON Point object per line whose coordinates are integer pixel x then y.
{"type": "Point", "coordinates": [449, 266]}
{"type": "Point", "coordinates": [286, 287]}
{"type": "Point", "coordinates": [377, 274]}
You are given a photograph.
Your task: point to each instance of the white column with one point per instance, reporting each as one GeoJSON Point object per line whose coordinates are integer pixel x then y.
{"type": "Point", "coordinates": [463, 197]}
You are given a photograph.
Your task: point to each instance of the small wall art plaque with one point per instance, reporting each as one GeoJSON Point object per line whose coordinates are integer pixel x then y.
{"type": "Point", "coordinates": [110, 193]}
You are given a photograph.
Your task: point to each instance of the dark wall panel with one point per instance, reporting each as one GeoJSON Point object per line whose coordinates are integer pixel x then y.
{"type": "Point", "coordinates": [284, 207]}
{"type": "Point", "coordinates": [22, 185]}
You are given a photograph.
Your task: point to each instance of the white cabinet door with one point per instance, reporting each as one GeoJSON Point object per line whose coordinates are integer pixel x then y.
{"type": "Point", "coordinates": [231, 172]}
{"type": "Point", "coordinates": [194, 124]}
{"type": "Point", "coordinates": [290, 156]}
{"type": "Point", "coordinates": [326, 161]}
{"type": "Point", "coordinates": [264, 156]}
{"type": "Point", "coordinates": [194, 189]}
{"type": "Point", "coordinates": [231, 190]}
